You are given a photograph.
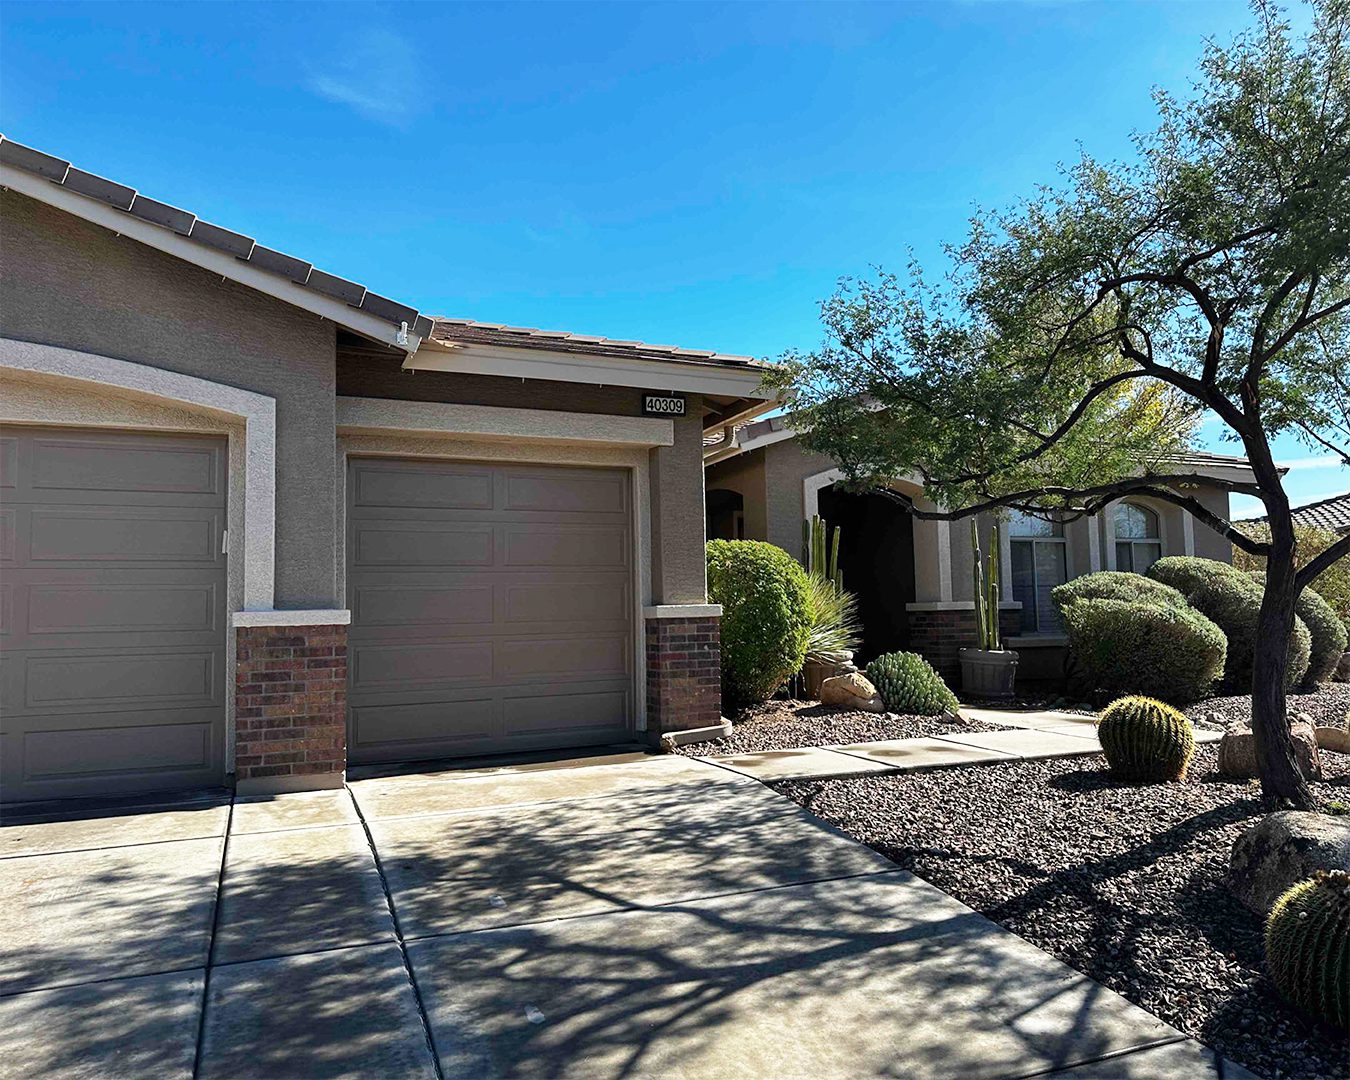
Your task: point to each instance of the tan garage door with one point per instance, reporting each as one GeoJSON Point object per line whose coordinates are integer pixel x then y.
{"type": "Point", "coordinates": [112, 612]}
{"type": "Point", "coordinates": [492, 608]}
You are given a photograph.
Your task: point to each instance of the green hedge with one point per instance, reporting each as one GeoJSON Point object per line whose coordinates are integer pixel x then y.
{"type": "Point", "coordinates": [909, 685]}
{"type": "Point", "coordinates": [766, 615]}
{"type": "Point", "coordinates": [1121, 647]}
{"type": "Point", "coordinates": [1186, 573]}
{"type": "Point", "coordinates": [1327, 630]}
{"type": "Point", "coordinates": [1117, 585]}
{"type": "Point", "coordinates": [1234, 603]}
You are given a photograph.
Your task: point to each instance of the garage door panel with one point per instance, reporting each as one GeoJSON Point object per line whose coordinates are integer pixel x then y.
{"type": "Point", "coordinates": [419, 664]}
{"type": "Point", "coordinates": [406, 545]}
{"type": "Point", "coordinates": [131, 534]}
{"type": "Point", "coordinates": [460, 603]}
{"type": "Point", "coordinates": [123, 465]}
{"type": "Point", "coordinates": [438, 485]}
{"type": "Point", "coordinates": [9, 535]}
{"type": "Point", "coordinates": [524, 641]}
{"type": "Point", "coordinates": [9, 463]}
{"type": "Point", "coordinates": [582, 492]}
{"type": "Point", "coordinates": [120, 681]}
{"type": "Point", "coordinates": [94, 752]}
{"type": "Point", "coordinates": [565, 546]}
{"type": "Point", "coordinates": [113, 611]}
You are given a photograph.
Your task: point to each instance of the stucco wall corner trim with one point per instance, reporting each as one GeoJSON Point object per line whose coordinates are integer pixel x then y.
{"type": "Point", "coordinates": [683, 611]}
{"type": "Point", "coordinates": [257, 411]}
{"type": "Point", "coordinates": [314, 617]}
{"type": "Point", "coordinates": [358, 415]}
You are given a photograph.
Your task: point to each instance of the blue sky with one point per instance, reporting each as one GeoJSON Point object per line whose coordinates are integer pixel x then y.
{"type": "Point", "coordinates": [694, 174]}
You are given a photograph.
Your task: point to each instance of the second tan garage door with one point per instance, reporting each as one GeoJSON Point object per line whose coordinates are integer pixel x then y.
{"type": "Point", "coordinates": [492, 608]}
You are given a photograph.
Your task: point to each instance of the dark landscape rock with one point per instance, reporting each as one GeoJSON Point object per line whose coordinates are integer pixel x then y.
{"type": "Point", "coordinates": [1283, 849]}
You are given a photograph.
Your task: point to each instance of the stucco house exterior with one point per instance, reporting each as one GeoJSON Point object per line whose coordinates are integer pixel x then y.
{"type": "Point", "coordinates": [260, 522]}
{"type": "Point", "coordinates": [913, 577]}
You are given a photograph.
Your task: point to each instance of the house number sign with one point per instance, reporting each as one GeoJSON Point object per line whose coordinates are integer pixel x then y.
{"type": "Point", "coordinates": [662, 405]}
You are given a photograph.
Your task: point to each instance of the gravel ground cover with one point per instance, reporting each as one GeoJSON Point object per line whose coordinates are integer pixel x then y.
{"type": "Point", "coordinates": [788, 725]}
{"type": "Point", "coordinates": [1123, 882]}
{"type": "Point", "coordinates": [1326, 706]}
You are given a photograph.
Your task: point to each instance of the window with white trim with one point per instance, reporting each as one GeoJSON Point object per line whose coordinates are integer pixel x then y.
{"type": "Point", "coordinates": [1040, 561]}
{"type": "Point", "coordinates": [1137, 537]}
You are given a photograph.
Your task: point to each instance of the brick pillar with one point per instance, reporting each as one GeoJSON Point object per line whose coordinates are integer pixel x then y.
{"type": "Point", "coordinates": [939, 637]}
{"type": "Point", "coordinates": [684, 673]}
{"type": "Point", "coordinates": [290, 708]}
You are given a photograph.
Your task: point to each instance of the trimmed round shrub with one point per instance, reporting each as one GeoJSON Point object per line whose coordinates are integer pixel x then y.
{"type": "Point", "coordinates": [1144, 739]}
{"type": "Point", "coordinates": [1234, 603]}
{"type": "Point", "coordinates": [766, 615]}
{"type": "Point", "coordinates": [908, 685]}
{"type": "Point", "coordinates": [1327, 630]}
{"type": "Point", "coordinates": [1186, 573]}
{"type": "Point", "coordinates": [1117, 585]}
{"type": "Point", "coordinates": [1121, 647]}
{"type": "Point", "coordinates": [1308, 946]}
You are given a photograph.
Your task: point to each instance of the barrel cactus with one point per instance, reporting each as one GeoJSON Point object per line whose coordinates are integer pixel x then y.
{"type": "Point", "coordinates": [908, 685]}
{"type": "Point", "coordinates": [1145, 739]}
{"type": "Point", "coordinates": [1308, 946]}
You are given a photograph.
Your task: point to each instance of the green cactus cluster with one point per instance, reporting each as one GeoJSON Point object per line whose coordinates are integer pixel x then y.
{"type": "Point", "coordinates": [986, 587]}
{"type": "Point", "coordinates": [1308, 946]}
{"type": "Point", "coordinates": [1145, 739]}
{"type": "Point", "coordinates": [908, 685]}
{"type": "Point", "coordinates": [820, 551]}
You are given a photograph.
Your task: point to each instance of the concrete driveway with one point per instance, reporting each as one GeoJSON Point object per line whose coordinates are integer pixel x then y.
{"type": "Point", "coordinates": [640, 916]}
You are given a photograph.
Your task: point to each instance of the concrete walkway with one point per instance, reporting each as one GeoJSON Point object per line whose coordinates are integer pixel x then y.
{"type": "Point", "coordinates": [1038, 734]}
{"type": "Point", "coordinates": [638, 917]}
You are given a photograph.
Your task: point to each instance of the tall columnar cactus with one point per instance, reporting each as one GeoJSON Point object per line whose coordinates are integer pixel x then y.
{"type": "Point", "coordinates": [985, 588]}
{"type": "Point", "coordinates": [820, 550]}
{"type": "Point", "coordinates": [1145, 739]}
{"type": "Point", "coordinates": [1308, 946]}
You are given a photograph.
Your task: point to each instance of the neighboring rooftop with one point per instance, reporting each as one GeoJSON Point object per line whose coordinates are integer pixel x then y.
{"type": "Point", "coordinates": [1332, 514]}
{"type": "Point", "coordinates": [467, 332]}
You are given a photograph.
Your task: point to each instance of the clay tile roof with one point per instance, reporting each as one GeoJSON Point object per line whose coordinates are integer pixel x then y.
{"type": "Point", "coordinates": [1332, 514]}
{"type": "Point", "coordinates": [468, 332]}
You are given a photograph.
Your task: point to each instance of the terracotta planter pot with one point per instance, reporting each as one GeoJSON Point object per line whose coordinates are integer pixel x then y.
{"type": "Point", "coordinates": [814, 673]}
{"type": "Point", "coordinates": [988, 674]}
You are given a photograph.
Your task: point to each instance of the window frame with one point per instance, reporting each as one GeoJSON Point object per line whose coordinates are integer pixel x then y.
{"type": "Point", "coordinates": [1062, 541]}
{"type": "Point", "coordinates": [1155, 542]}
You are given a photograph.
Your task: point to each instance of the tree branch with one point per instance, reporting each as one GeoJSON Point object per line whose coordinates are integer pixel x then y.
{"type": "Point", "coordinates": [1339, 550]}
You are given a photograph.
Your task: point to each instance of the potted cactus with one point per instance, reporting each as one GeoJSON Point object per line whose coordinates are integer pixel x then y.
{"type": "Point", "coordinates": [989, 670]}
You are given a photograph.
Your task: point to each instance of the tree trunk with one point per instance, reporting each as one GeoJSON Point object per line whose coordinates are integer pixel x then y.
{"type": "Point", "coordinates": [1282, 784]}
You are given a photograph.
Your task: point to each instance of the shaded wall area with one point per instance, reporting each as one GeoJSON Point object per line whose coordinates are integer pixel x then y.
{"type": "Point", "coordinates": [876, 557]}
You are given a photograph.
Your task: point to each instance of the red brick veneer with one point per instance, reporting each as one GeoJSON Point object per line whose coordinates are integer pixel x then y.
{"type": "Point", "coordinates": [684, 673]}
{"type": "Point", "coordinates": [939, 637]}
{"type": "Point", "coordinates": [290, 705]}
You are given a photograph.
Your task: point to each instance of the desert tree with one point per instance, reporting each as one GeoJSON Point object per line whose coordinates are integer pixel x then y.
{"type": "Point", "coordinates": [1076, 341]}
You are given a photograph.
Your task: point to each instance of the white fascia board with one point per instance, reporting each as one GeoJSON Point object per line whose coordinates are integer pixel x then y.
{"type": "Point", "coordinates": [674, 376]}
{"type": "Point", "coordinates": [782, 435]}
{"type": "Point", "coordinates": [356, 415]}
{"type": "Point", "coordinates": [217, 262]}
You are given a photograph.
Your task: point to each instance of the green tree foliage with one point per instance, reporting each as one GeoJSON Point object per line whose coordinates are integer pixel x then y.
{"type": "Point", "coordinates": [1333, 584]}
{"type": "Point", "coordinates": [1080, 337]}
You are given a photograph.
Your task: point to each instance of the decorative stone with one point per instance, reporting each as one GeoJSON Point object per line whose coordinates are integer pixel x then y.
{"type": "Point", "coordinates": [1237, 753]}
{"type": "Point", "coordinates": [853, 691]}
{"type": "Point", "coordinates": [1285, 848]}
{"type": "Point", "coordinates": [1334, 739]}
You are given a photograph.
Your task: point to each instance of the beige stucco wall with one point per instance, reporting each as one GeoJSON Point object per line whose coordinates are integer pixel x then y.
{"type": "Point", "coordinates": [743, 474]}
{"type": "Point", "coordinates": [72, 284]}
{"type": "Point", "coordinates": [679, 567]}
{"type": "Point", "coordinates": [786, 465]}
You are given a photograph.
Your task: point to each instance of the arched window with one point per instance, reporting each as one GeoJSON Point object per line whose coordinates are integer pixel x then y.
{"type": "Point", "coordinates": [1138, 541]}
{"type": "Point", "coordinates": [1039, 563]}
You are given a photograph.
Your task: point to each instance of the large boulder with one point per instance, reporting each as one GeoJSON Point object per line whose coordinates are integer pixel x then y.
{"type": "Point", "coordinates": [1237, 753]}
{"type": "Point", "coordinates": [1334, 739]}
{"type": "Point", "coordinates": [1283, 849]}
{"type": "Point", "coordinates": [854, 691]}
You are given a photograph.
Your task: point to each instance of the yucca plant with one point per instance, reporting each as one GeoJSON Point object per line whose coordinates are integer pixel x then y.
{"type": "Point", "coordinates": [835, 630]}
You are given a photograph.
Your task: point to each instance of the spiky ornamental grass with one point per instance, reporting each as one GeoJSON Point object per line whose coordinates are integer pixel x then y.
{"type": "Point", "coordinates": [1308, 946]}
{"type": "Point", "coordinates": [1145, 739]}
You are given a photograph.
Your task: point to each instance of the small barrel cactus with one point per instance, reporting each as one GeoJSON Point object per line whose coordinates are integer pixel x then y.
{"type": "Point", "coordinates": [1308, 946]}
{"type": "Point", "coordinates": [1145, 739]}
{"type": "Point", "coordinates": [908, 685]}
